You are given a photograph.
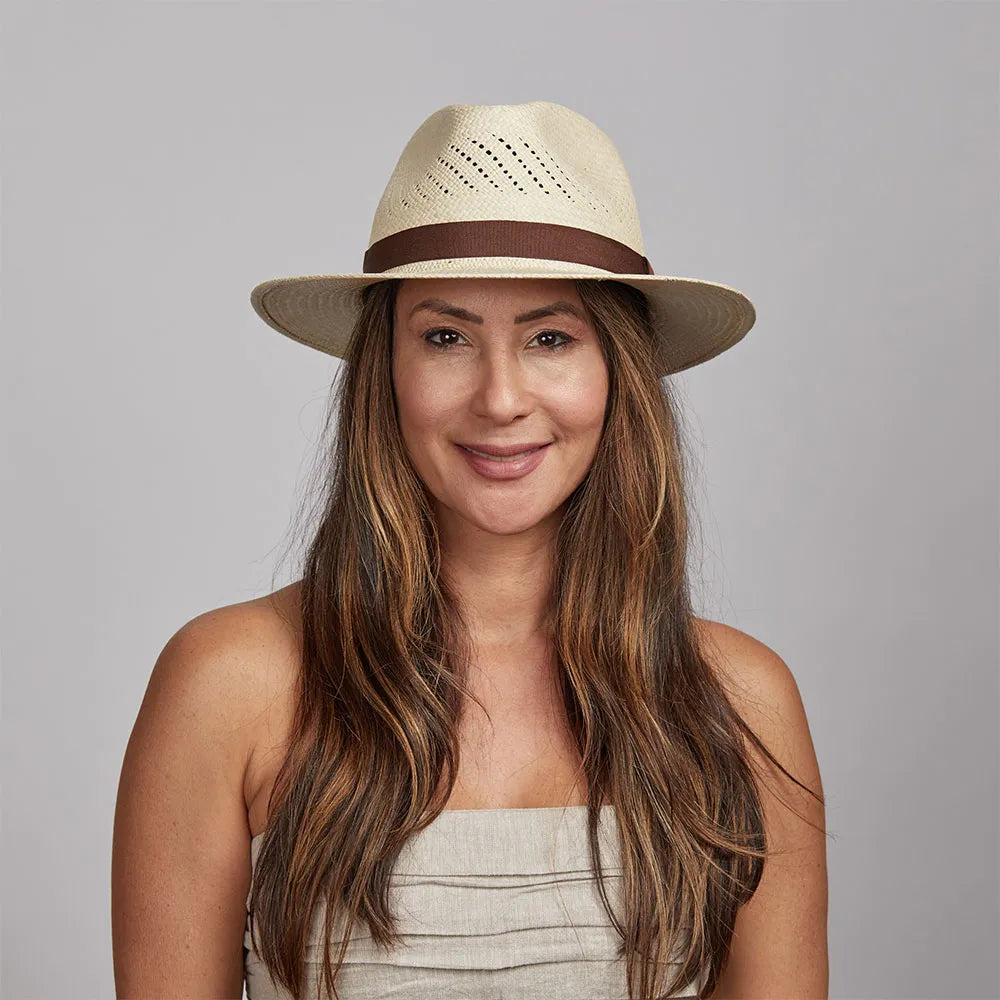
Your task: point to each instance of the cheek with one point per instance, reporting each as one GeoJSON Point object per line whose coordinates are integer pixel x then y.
{"type": "Point", "coordinates": [582, 405]}
{"type": "Point", "coordinates": [425, 402]}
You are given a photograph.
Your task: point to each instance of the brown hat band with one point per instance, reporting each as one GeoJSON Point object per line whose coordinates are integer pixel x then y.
{"type": "Point", "coordinates": [504, 238]}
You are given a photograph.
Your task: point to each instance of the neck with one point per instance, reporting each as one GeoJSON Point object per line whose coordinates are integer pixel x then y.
{"type": "Point", "coordinates": [504, 584]}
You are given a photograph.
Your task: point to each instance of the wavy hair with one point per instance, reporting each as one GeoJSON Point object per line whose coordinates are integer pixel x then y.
{"type": "Point", "coordinates": [373, 752]}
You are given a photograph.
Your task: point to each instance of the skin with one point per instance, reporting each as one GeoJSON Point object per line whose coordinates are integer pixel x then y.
{"type": "Point", "coordinates": [500, 382]}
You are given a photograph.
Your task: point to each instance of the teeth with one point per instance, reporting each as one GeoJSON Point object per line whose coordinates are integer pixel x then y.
{"type": "Point", "coordinates": [496, 458]}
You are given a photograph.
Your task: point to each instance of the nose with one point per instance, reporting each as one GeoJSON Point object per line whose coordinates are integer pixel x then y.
{"type": "Point", "coordinates": [502, 389]}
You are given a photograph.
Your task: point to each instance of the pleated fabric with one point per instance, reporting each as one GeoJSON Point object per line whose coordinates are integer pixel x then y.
{"type": "Point", "coordinates": [491, 903]}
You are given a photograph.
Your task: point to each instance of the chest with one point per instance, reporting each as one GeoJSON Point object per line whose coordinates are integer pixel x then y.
{"type": "Point", "coordinates": [516, 751]}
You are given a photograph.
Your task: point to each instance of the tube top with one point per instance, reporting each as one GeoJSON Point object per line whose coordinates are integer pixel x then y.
{"type": "Point", "coordinates": [492, 904]}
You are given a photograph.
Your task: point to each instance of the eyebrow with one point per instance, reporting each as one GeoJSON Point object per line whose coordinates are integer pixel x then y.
{"type": "Point", "coordinates": [447, 309]}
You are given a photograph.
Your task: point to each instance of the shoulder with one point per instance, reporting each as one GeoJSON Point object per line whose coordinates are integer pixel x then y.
{"type": "Point", "coordinates": [757, 680]}
{"type": "Point", "coordinates": [180, 840]}
{"type": "Point", "coordinates": [779, 947]}
{"type": "Point", "coordinates": [235, 663]}
{"type": "Point", "coordinates": [241, 646]}
{"type": "Point", "coordinates": [245, 631]}
{"type": "Point", "coordinates": [740, 660]}
{"type": "Point", "coordinates": [762, 688]}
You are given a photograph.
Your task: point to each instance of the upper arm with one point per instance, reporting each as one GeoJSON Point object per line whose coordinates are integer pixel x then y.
{"type": "Point", "coordinates": [181, 844]}
{"type": "Point", "coordinates": [779, 947]}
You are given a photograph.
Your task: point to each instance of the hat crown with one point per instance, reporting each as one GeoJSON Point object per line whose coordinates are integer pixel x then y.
{"type": "Point", "coordinates": [532, 162]}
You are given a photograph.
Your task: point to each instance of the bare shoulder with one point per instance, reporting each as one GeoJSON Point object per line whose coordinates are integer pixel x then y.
{"type": "Point", "coordinates": [780, 937]}
{"type": "Point", "coordinates": [246, 656]}
{"type": "Point", "coordinates": [257, 647]}
{"type": "Point", "coordinates": [273, 617]}
{"type": "Point", "coordinates": [251, 647]}
{"type": "Point", "coordinates": [747, 668]}
{"type": "Point", "coordinates": [181, 840]}
{"type": "Point", "coordinates": [763, 689]}
{"type": "Point", "coordinates": [256, 637]}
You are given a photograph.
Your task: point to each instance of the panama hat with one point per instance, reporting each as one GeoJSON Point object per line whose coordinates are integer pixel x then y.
{"type": "Point", "coordinates": [532, 190]}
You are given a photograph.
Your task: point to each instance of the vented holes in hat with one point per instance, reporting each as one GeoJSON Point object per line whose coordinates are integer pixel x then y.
{"type": "Point", "coordinates": [519, 160]}
{"type": "Point", "coordinates": [546, 169]}
{"type": "Point", "coordinates": [511, 148]}
{"type": "Point", "coordinates": [475, 163]}
{"type": "Point", "coordinates": [480, 150]}
{"type": "Point", "coordinates": [454, 170]}
{"type": "Point", "coordinates": [498, 161]}
{"type": "Point", "coordinates": [569, 180]}
{"type": "Point", "coordinates": [434, 180]}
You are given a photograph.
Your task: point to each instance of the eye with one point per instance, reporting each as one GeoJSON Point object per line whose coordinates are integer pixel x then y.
{"type": "Point", "coordinates": [550, 347]}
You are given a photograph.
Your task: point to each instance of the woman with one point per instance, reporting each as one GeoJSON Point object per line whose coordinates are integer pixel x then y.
{"type": "Point", "coordinates": [483, 747]}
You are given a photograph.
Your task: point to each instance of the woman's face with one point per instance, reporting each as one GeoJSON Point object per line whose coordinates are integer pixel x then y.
{"type": "Point", "coordinates": [489, 361]}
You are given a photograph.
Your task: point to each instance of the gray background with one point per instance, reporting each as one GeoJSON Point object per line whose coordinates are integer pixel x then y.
{"type": "Point", "coordinates": [837, 162]}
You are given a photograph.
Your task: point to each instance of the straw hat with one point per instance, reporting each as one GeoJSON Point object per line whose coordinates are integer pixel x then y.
{"type": "Point", "coordinates": [530, 190]}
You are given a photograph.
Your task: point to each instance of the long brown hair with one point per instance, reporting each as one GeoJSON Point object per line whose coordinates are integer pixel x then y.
{"type": "Point", "coordinates": [373, 751]}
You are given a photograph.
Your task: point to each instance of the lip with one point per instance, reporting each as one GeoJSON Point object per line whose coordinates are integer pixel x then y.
{"type": "Point", "coordinates": [503, 450]}
{"type": "Point", "coordinates": [515, 469]}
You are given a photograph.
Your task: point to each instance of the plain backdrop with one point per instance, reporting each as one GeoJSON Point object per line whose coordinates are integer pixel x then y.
{"type": "Point", "coordinates": [837, 162]}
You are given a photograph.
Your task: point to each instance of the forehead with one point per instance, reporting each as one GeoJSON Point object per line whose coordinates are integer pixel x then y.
{"type": "Point", "coordinates": [498, 298]}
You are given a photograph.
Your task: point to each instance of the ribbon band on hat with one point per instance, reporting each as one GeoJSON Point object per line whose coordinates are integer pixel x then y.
{"type": "Point", "coordinates": [503, 238]}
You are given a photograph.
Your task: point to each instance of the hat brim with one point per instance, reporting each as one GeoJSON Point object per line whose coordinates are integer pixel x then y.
{"type": "Point", "coordinates": [697, 319]}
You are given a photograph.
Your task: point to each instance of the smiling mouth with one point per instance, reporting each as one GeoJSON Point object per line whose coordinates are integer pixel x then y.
{"type": "Point", "coordinates": [505, 458]}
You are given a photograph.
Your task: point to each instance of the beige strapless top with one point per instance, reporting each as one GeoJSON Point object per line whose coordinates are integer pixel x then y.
{"type": "Point", "coordinates": [491, 903]}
